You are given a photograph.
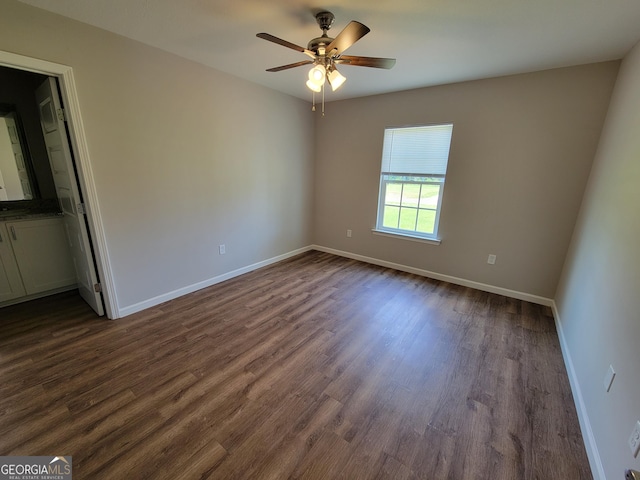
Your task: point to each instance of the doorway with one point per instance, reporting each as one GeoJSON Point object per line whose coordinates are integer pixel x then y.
{"type": "Point", "coordinates": [80, 168]}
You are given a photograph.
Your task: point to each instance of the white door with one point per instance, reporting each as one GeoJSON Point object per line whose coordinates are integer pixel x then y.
{"type": "Point", "coordinates": [18, 154]}
{"type": "Point", "coordinates": [55, 138]}
{"type": "Point", "coordinates": [5, 158]}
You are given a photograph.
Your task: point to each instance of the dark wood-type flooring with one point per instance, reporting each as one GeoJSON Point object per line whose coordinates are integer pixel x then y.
{"type": "Point", "coordinates": [318, 367]}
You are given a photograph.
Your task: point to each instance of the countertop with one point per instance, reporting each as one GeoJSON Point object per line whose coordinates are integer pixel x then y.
{"type": "Point", "coordinates": [12, 215]}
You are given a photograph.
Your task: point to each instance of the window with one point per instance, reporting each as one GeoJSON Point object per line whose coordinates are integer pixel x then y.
{"type": "Point", "coordinates": [414, 165]}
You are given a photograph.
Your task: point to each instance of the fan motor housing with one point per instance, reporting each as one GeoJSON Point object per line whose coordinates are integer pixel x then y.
{"type": "Point", "coordinates": [325, 20]}
{"type": "Point", "coordinates": [316, 43]}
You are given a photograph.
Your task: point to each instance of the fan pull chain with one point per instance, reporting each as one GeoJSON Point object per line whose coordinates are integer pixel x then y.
{"type": "Point", "coordinates": [313, 101]}
{"type": "Point", "coordinates": [323, 99]}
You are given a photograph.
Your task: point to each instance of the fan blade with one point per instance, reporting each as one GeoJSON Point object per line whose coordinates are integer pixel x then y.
{"type": "Point", "coordinates": [291, 65]}
{"type": "Point", "coordinates": [347, 37]}
{"type": "Point", "coordinates": [284, 43]}
{"type": "Point", "coordinates": [374, 62]}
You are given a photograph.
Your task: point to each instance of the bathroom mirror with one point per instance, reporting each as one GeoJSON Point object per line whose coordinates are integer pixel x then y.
{"type": "Point", "coordinates": [17, 181]}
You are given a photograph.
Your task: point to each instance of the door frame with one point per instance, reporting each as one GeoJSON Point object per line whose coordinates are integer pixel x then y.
{"type": "Point", "coordinates": [82, 162]}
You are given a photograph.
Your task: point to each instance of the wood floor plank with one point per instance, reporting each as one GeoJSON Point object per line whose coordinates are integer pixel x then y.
{"type": "Point", "coordinates": [318, 367]}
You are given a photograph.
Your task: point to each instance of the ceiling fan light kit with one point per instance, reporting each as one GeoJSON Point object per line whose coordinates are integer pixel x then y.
{"type": "Point", "coordinates": [313, 86]}
{"type": "Point", "coordinates": [326, 52]}
{"type": "Point", "coordinates": [317, 74]}
{"type": "Point", "coordinates": [336, 79]}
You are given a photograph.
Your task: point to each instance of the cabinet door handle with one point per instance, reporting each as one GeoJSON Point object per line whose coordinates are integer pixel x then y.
{"type": "Point", "coordinates": [13, 233]}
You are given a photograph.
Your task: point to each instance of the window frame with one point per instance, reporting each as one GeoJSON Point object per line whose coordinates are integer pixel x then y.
{"type": "Point", "coordinates": [387, 178]}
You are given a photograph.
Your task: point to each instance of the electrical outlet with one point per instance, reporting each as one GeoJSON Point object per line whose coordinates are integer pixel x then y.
{"type": "Point", "coordinates": [634, 440]}
{"type": "Point", "coordinates": [221, 249]}
{"type": "Point", "coordinates": [491, 260]}
{"type": "Point", "coordinates": [349, 233]}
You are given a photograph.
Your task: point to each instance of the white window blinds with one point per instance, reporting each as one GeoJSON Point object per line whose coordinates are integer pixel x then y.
{"type": "Point", "coordinates": [417, 150]}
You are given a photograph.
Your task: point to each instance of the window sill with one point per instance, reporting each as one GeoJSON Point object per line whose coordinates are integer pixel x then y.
{"type": "Point", "coordinates": [402, 236]}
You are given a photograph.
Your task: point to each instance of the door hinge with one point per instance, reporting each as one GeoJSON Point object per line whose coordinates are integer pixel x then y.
{"type": "Point", "coordinates": [97, 287]}
{"type": "Point", "coordinates": [81, 209]}
{"type": "Point", "coordinates": [61, 114]}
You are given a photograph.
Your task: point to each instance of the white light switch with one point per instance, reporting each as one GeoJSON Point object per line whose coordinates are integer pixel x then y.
{"type": "Point", "coordinates": [491, 260]}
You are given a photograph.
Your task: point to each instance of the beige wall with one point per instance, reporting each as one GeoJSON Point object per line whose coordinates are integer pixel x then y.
{"type": "Point", "coordinates": [521, 152]}
{"type": "Point", "coordinates": [184, 157]}
{"type": "Point", "coordinates": [599, 296]}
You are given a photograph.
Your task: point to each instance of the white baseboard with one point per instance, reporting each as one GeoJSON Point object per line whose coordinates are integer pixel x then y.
{"type": "Point", "coordinates": [152, 302]}
{"type": "Point", "coordinates": [595, 462]}
{"type": "Point", "coordinates": [438, 276]}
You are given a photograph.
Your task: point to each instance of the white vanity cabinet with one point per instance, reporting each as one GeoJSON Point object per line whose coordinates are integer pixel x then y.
{"type": "Point", "coordinates": [35, 258]}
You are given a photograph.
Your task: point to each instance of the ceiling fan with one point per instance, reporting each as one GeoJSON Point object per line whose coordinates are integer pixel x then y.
{"type": "Point", "coordinates": [325, 53]}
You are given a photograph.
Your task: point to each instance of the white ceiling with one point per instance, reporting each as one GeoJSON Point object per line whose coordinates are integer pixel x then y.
{"type": "Point", "coordinates": [434, 41]}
